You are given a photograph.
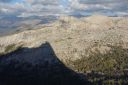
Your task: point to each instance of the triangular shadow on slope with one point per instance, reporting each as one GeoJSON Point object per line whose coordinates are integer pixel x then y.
{"type": "Point", "coordinates": [36, 66]}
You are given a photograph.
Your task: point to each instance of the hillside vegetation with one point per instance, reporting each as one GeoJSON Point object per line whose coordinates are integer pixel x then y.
{"type": "Point", "coordinates": [95, 45]}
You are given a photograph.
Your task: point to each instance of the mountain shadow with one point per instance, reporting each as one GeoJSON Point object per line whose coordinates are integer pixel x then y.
{"type": "Point", "coordinates": [37, 66]}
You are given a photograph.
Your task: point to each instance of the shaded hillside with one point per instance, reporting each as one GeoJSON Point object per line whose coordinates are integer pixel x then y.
{"type": "Point", "coordinates": [36, 66]}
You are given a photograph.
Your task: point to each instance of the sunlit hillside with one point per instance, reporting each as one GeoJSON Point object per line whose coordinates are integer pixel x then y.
{"type": "Point", "coordinates": [95, 45]}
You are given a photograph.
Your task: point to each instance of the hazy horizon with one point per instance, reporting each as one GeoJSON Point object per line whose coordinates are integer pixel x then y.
{"type": "Point", "coordinates": [17, 13]}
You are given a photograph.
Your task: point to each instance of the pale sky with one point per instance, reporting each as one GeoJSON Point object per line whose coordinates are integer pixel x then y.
{"type": "Point", "coordinates": [26, 8]}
